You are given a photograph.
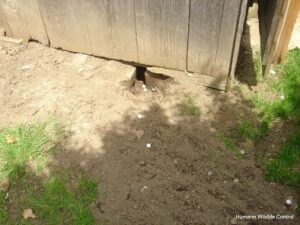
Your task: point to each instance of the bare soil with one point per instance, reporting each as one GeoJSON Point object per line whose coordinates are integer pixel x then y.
{"type": "Point", "coordinates": [187, 177]}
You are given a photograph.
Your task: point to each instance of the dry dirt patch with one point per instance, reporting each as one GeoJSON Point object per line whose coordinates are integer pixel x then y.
{"type": "Point", "coordinates": [186, 177]}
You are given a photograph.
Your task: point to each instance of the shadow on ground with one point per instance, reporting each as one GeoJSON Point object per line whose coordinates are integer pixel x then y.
{"type": "Point", "coordinates": [193, 174]}
{"type": "Point", "coordinates": [245, 69]}
{"type": "Point", "coordinates": [188, 176]}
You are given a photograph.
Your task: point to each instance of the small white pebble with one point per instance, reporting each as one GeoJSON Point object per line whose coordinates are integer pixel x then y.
{"type": "Point", "coordinates": [148, 145]}
{"type": "Point", "coordinates": [282, 97]}
{"type": "Point", "coordinates": [145, 89]}
{"type": "Point", "coordinates": [236, 181]}
{"type": "Point", "coordinates": [209, 173]}
{"type": "Point", "coordinates": [144, 188]}
{"type": "Point", "coordinates": [288, 202]}
{"type": "Point", "coordinates": [242, 152]}
{"type": "Point", "coordinates": [144, 86]}
{"type": "Point", "coordinates": [140, 116]}
{"type": "Point", "coordinates": [272, 72]}
{"type": "Point", "coordinates": [27, 67]}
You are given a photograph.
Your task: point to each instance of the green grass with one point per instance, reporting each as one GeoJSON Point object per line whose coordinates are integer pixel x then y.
{"type": "Point", "coordinates": [57, 199]}
{"type": "Point", "coordinates": [246, 130]}
{"type": "Point", "coordinates": [258, 67]}
{"type": "Point", "coordinates": [229, 144]}
{"type": "Point", "coordinates": [21, 144]}
{"type": "Point", "coordinates": [188, 106]}
{"type": "Point", "coordinates": [284, 168]}
{"type": "Point", "coordinates": [4, 215]}
{"type": "Point", "coordinates": [58, 204]}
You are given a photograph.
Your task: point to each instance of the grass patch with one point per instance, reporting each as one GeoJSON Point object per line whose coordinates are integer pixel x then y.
{"type": "Point", "coordinates": [285, 88]}
{"type": "Point", "coordinates": [59, 204]}
{"type": "Point", "coordinates": [58, 199]}
{"type": "Point", "coordinates": [4, 215]}
{"type": "Point", "coordinates": [188, 106]}
{"type": "Point", "coordinates": [246, 130]}
{"type": "Point", "coordinates": [230, 145]}
{"type": "Point", "coordinates": [258, 66]}
{"type": "Point", "coordinates": [20, 145]}
{"type": "Point", "coordinates": [282, 168]}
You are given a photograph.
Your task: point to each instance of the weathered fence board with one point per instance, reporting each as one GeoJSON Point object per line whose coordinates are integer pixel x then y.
{"type": "Point", "coordinates": [162, 31]}
{"type": "Point", "coordinates": [3, 22]}
{"type": "Point", "coordinates": [32, 20]}
{"type": "Point", "coordinates": [227, 34]}
{"type": "Point", "coordinates": [237, 41]}
{"type": "Point", "coordinates": [65, 25]}
{"type": "Point", "coordinates": [205, 23]}
{"type": "Point", "coordinates": [11, 11]}
{"type": "Point", "coordinates": [194, 35]}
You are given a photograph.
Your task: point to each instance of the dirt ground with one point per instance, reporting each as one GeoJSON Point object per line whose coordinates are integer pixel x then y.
{"type": "Point", "coordinates": [187, 177]}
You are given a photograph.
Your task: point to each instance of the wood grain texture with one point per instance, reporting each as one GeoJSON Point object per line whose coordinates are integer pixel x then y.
{"type": "Point", "coordinates": [12, 13]}
{"type": "Point", "coordinates": [65, 25]}
{"type": "Point", "coordinates": [226, 38]}
{"type": "Point", "coordinates": [110, 26]}
{"type": "Point", "coordinates": [292, 12]}
{"type": "Point", "coordinates": [3, 22]}
{"type": "Point", "coordinates": [237, 43]}
{"type": "Point", "coordinates": [162, 32]}
{"type": "Point", "coordinates": [205, 25]}
{"type": "Point", "coordinates": [32, 19]}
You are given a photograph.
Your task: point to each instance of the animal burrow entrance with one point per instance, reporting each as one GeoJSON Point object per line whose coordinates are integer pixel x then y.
{"type": "Point", "coordinates": [148, 82]}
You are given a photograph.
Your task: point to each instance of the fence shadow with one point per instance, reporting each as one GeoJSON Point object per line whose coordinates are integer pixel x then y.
{"type": "Point", "coordinates": [245, 69]}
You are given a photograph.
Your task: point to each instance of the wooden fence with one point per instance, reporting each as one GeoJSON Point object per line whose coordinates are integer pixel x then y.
{"type": "Point", "coordinates": [200, 36]}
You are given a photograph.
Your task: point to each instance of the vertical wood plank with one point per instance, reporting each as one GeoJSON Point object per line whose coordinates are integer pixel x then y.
{"type": "Point", "coordinates": [32, 19]}
{"type": "Point", "coordinates": [99, 25]}
{"type": "Point", "coordinates": [287, 30]}
{"type": "Point", "coordinates": [124, 30]}
{"type": "Point", "coordinates": [226, 38]}
{"type": "Point", "coordinates": [65, 24]}
{"type": "Point", "coordinates": [162, 32]}
{"type": "Point", "coordinates": [237, 41]}
{"type": "Point", "coordinates": [205, 24]}
{"type": "Point", "coordinates": [11, 11]}
{"type": "Point", "coordinates": [3, 22]}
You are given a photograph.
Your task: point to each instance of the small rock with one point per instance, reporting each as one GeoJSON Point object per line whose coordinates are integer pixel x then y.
{"type": "Point", "coordinates": [145, 89]}
{"type": "Point", "coordinates": [282, 97]}
{"type": "Point", "coordinates": [144, 188]}
{"type": "Point", "coordinates": [242, 152]}
{"type": "Point", "coordinates": [80, 70]}
{"type": "Point", "coordinates": [234, 220]}
{"type": "Point", "coordinates": [236, 180]}
{"type": "Point", "coordinates": [83, 163]}
{"type": "Point", "coordinates": [209, 173]}
{"type": "Point", "coordinates": [148, 145]}
{"type": "Point", "coordinates": [272, 72]}
{"type": "Point", "coordinates": [140, 133]}
{"type": "Point", "coordinates": [4, 185]}
{"type": "Point", "coordinates": [10, 139]}
{"type": "Point", "coordinates": [288, 202]}
{"type": "Point", "coordinates": [175, 161]}
{"type": "Point", "coordinates": [27, 67]}
{"type": "Point", "coordinates": [144, 86]}
{"type": "Point", "coordinates": [27, 213]}
{"type": "Point", "coordinates": [140, 116]}
{"type": "Point", "coordinates": [143, 163]}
